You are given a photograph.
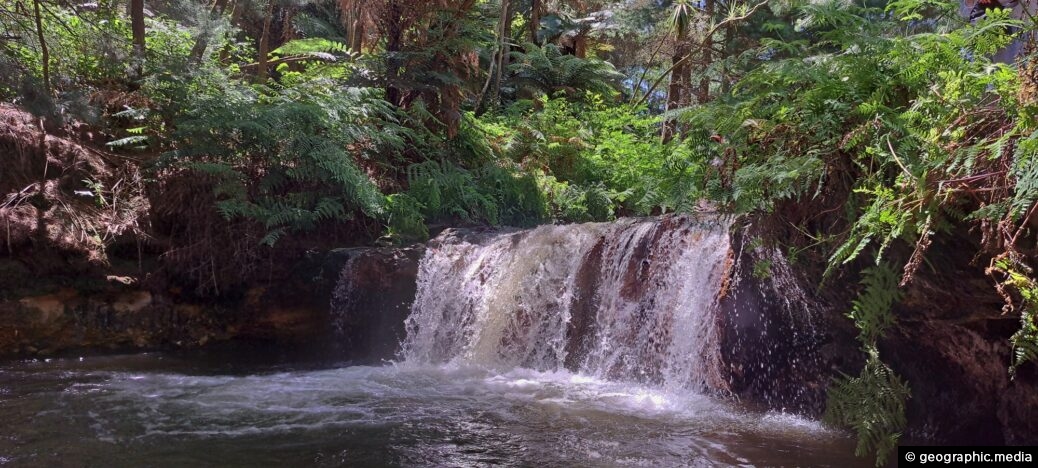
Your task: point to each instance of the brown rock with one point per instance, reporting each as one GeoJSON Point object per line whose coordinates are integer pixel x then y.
{"type": "Point", "coordinates": [51, 307]}
{"type": "Point", "coordinates": [132, 302]}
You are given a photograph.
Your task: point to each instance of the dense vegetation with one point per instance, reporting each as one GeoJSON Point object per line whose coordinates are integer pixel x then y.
{"type": "Point", "coordinates": [853, 127]}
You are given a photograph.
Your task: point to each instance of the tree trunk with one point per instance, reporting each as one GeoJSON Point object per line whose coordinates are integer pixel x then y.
{"type": "Point", "coordinates": [44, 50]}
{"type": "Point", "coordinates": [137, 27]}
{"type": "Point", "coordinates": [703, 95]}
{"type": "Point", "coordinates": [264, 44]}
{"type": "Point", "coordinates": [198, 51]}
{"type": "Point", "coordinates": [236, 12]}
{"type": "Point", "coordinates": [503, 50]}
{"type": "Point", "coordinates": [729, 47]}
{"type": "Point", "coordinates": [535, 20]}
{"type": "Point", "coordinates": [357, 44]}
{"type": "Point", "coordinates": [394, 45]}
{"type": "Point", "coordinates": [356, 31]}
{"type": "Point", "coordinates": [685, 78]}
{"type": "Point", "coordinates": [678, 86]}
{"type": "Point", "coordinates": [580, 45]}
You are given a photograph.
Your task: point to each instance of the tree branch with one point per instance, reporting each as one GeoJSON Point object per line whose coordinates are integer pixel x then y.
{"type": "Point", "coordinates": [652, 58]}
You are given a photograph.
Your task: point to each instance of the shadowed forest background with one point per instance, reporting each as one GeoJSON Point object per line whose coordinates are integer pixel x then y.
{"type": "Point", "coordinates": [201, 147]}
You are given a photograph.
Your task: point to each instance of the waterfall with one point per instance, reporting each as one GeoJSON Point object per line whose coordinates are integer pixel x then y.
{"type": "Point", "coordinates": [633, 300]}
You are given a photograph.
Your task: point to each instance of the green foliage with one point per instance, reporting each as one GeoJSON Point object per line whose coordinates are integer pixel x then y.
{"type": "Point", "coordinates": [762, 269]}
{"type": "Point", "coordinates": [873, 405]}
{"type": "Point", "coordinates": [902, 120]}
{"type": "Point", "coordinates": [98, 190]}
{"type": "Point", "coordinates": [405, 222]}
{"type": "Point", "coordinates": [1025, 170]}
{"type": "Point", "coordinates": [446, 191]}
{"type": "Point", "coordinates": [548, 70]}
{"type": "Point", "coordinates": [601, 159]}
{"type": "Point", "coordinates": [579, 203]}
{"type": "Point", "coordinates": [867, 103]}
{"type": "Point", "coordinates": [1025, 340]}
{"type": "Point", "coordinates": [493, 194]}
{"type": "Point", "coordinates": [520, 199]}
{"type": "Point", "coordinates": [897, 116]}
{"type": "Point", "coordinates": [1019, 279]}
{"type": "Point", "coordinates": [287, 161]}
{"type": "Point", "coordinates": [871, 310]}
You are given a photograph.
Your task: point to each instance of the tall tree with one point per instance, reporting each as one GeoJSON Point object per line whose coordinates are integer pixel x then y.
{"type": "Point", "coordinates": [264, 43]}
{"type": "Point", "coordinates": [403, 27]}
{"type": "Point", "coordinates": [139, 32]}
{"type": "Point", "coordinates": [44, 50]}
{"type": "Point", "coordinates": [388, 20]}
{"type": "Point", "coordinates": [703, 94]}
{"type": "Point", "coordinates": [534, 24]}
{"type": "Point", "coordinates": [355, 18]}
{"type": "Point", "coordinates": [680, 21]}
{"type": "Point", "coordinates": [198, 51]}
{"type": "Point", "coordinates": [503, 49]}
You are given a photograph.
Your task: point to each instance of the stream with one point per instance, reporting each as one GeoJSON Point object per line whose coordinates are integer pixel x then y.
{"type": "Point", "coordinates": [193, 409]}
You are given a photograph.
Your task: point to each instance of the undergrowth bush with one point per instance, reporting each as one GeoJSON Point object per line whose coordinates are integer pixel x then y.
{"type": "Point", "coordinates": [911, 128]}
{"type": "Point", "coordinates": [286, 160]}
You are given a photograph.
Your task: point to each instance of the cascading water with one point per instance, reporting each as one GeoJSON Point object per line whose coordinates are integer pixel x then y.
{"type": "Point", "coordinates": [582, 345]}
{"type": "Point", "coordinates": [633, 300]}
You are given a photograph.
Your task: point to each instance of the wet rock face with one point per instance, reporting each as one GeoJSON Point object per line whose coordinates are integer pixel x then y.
{"type": "Point", "coordinates": [961, 390]}
{"type": "Point", "coordinates": [957, 380]}
{"type": "Point", "coordinates": [371, 300]}
{"type": "Point", "coordinates": [783, 344]}
{"type": "Point", "coordinates": [629, 302]}
{"type": "Point", "coordinates": [951, 344]}
{"type": "Point", "coordinates": [767, 339]}
{"type": "Point", "coordinates": [773, 333]}
{"type": "Point", "coordinates": [294, 311]}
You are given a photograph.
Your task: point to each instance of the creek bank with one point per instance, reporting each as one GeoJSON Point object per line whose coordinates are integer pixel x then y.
{"type": "Point", "coordinates": [96, 257]}
{"type": "Point", "coordinates": [121, 317]}
{"type": "Point", "coordinates": [59, 316]}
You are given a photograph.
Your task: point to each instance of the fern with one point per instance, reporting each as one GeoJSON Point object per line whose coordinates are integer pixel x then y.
{"type": "Point", "coordinates": [1018, 278]}
{"type": "Point", "coordinates": [448, 191]}
{"type": "Point", "coordinates": [405, 221]}
{"type": "Point", "coordinates": [1025, 170]}
{"type": "Point", "coordinates": [871, 311]}
{"type": "Point", "coordinates": [284, 160]}
{"type": "Point", "coordinates": [135, 141]}
{"type": "Point", "coordinates": [873, 405]}
{"type": "Point", "coordinates": [548, 70]}
{"type": "Point", "coordinates": [886, 219]}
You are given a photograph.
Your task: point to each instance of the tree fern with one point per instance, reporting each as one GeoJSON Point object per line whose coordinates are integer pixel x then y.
{"type": "Point", "coordinates": [547, 69]}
